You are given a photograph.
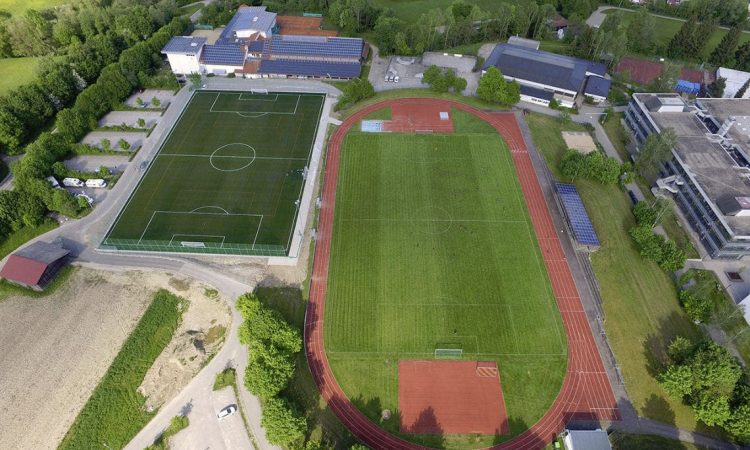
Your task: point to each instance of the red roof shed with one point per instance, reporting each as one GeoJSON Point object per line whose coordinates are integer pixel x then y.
{"type": "Point", "coordinates": [34, 266]}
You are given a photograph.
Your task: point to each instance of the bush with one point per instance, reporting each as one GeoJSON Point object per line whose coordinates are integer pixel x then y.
{"type": "Point", "coordinates": [282, 422]}
{"type": "Point", "coordinates": [225, 378]}
{"type": "Point", "coordinates": [355, 91]}
{"type": "Point", "coordinates": [699, 309]}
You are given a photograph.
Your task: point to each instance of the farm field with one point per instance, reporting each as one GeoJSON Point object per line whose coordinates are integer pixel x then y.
{"type": "Point", "coordinates": [433, 248]}
{"type": "Point", "coordinates": [642, 313]}
{"type": "Point", "coordinates": [227, 179]}
{"type": "Point", "coordinates": [16, 72]}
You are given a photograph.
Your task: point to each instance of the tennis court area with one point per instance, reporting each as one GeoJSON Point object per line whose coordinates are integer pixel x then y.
{"type": "Point", "coordinates": [228, 178]}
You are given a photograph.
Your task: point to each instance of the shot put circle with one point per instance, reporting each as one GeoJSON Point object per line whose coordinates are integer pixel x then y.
{"type": "Point", "coordinates": [232, 157]}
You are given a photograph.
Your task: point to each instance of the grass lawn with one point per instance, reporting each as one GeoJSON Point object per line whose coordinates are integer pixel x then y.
{"type": "Point", "coordinates": [114, 413]}
{"type": "Point", "coordinates": [227, 179]}
{"type": "Point", "coordinates": [620, 138]}
{"type": "Point", "coordinates": [19, 6]}
{"type": "Point", "coordinates": [625, 441]}
{"type": "Point", "coordinates": [17, 71]}
{"type": "Point", "coordinates": [433, 248]}
{"type": "Point", "coordinates": [640, 300]}
{"type": "Point", "coordinates": [667, 28]}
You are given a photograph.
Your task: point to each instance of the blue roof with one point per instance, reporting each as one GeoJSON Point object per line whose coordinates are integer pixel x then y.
{"type": "Point", "coordinates": [576, 213]}
{"type": "Point", "coordinates": [323, 46]}
{"type": "Point", "coordinates": [184, 45]}
{"type": "Point", "coordinates": [688, 87]}
{"type": "Point", "coordinates": [253, 17]}
{"type": "Point", "coordinates": [537, 93]}
{"type": "Point", "coordinates": [551, 69]}
{"type": "Point", "coordinates": [223, 54]}
{"type": "Point", "coordinates": [310, 68]}
{"type": "Point", "coordinates": [598, 86]}
{"type": "Point", "coordinates": [256, 46]}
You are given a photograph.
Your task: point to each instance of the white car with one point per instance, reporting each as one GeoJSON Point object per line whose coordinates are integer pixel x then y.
{"type": "Point", "coordinates": [228, 411]}
{"type": "Point", "coordinates": [396, 79]}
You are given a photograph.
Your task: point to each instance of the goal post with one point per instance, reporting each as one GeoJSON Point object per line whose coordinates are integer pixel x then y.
{"type": "Point", "coordinates": [259, 91]}
{"type": "Point", "coordinates": [449, 353]}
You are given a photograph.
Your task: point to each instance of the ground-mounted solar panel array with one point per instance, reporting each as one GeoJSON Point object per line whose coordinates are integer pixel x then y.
{"type": "Point", "coordinates": [576, 214]}
{"type": "Point", "coordinates": [227, 180]}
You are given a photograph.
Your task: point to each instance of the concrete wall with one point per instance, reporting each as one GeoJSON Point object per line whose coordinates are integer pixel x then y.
{"type": "Point", "coordinates": [184, 64]}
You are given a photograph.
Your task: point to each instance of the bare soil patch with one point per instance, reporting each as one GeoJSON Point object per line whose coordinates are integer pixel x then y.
{"type": "Point", "coordinates": [199, 337]}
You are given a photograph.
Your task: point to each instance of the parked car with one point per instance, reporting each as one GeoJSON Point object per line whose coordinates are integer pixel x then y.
{"type": "Point", "coordinates": [396, 78]}
{"type": "Point", "coordinates": [227, 411]}
{"type": "Point", "coordinates": [632, 196]}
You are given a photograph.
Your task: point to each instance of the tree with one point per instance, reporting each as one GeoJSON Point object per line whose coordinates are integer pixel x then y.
{"type": "Point", "coordinates": [672, 257]}
{"type": "Point", "coordinates": [123, 144]}
{"type": "Point", "coordinates": [641, 32]}
{"type": "Point", "coordinates": [667, 80]}
{"type": "Point", "coordinates": [723, 54]}
{"type": "Point", "coordinates": [355, 90]}
{"type": "Point", "coordinates": [494, 89]}
{"type": "Point", "coordinates": [72, 124]}
{"type": "Point", "coordinates": [269, 370]}
{"type": "Point", "coordinates": [63, 202]}
{"type": "Point", "coordinates": [644, 214]}
{"type": "Point", "coordinates": [649, 244]}
{"type": "Point", "coordinates": [716, 88]}
{"type": "Point", "coordinates": [684, 42]}
{"type": "Point", "coordinates": [698, 308]}
{"type": "Point", "coordinates": [141, 122]}
{"type": "Point", "coordinates": [741, 93]}
{"type": "Point", "coordinates": [742, 57]}
{"type": "Point", "coordinates": [106, 144]}
{"type": "Point", "coordinates": [155, 101]}
{"type": "Point", "coordinates": [196, 80]}
{"type": "Point", "coordinates": [704, 31]}
{"type": "Point", "coordinates": [656, 150]}
{"type": "Point", "coordinates": [283, 424]}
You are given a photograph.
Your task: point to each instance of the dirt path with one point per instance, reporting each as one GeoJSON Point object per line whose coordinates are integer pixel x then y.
{"type": "Point", "coordinates": [54, 350]}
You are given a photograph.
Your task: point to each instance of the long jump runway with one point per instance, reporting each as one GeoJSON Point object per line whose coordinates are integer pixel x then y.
{"type": "Point", "coordinates": [586, 392]}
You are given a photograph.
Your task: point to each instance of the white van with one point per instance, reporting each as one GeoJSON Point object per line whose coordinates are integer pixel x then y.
{"type": "Point", "coordinates": [96, 183]}
{"type": "Point", "coordinates": [53, 182]}
{"type": "Point", "coordinates": [72, 182]}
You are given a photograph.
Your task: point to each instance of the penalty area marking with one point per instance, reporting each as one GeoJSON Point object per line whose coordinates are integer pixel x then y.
{"type": "Point", "coordinates": [195, 213]}
{"type": "Point", "coordinates": [258, 113]}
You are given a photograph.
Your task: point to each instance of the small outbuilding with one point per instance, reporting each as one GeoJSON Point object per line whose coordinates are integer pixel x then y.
{"type": "Point", "coordinates": [586, 440]}
{"type": "Point", "coordinates": [35, 266]}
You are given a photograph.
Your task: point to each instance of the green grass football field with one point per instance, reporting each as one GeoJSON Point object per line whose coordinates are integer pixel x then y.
{"type": "Point", "coordinates": [227, 179]}
{"type": "Point", "coordinates": [433, 248]}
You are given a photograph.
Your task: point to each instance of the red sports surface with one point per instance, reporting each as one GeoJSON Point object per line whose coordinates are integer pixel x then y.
{"type": "Point", "coordinates": [451, 397]}
{"type": "Point", "coordinates": [586, 392]}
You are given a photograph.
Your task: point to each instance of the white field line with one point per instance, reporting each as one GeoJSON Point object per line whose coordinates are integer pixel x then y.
{"type": "Point", "coordinates": [228, 157]}
{"type": "Point", "coordinates": [223, 238]}
{"type": "Point", "coordinates": [147, 225]}
{"type": "Point", "coordinates": [257, 231]}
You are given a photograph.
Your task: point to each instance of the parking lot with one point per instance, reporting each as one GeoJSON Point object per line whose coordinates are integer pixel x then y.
{"type": "Point", "coordinates": [410, 69]}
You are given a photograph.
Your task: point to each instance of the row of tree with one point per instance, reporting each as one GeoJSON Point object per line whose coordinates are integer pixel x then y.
{"type": "Point", "coordinates": [273, 347]}
{"type": "Point", "coordinates": [652, 246]}
{"type": "Point", "coordinates": [115, 83]}
{"type": "Point", "coordinates": [709, 379]}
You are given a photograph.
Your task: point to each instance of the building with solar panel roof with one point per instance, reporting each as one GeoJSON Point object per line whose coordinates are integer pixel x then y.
{"type": "Point", "coordinates": [544, 75]}
{"type": "Point", "coordinates": [252, 45]}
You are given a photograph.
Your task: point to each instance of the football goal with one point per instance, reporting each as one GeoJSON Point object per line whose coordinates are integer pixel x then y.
{"type": "Point", "coordinates": [449, 353]}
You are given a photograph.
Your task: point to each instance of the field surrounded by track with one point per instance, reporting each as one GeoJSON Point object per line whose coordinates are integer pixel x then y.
{"type": "Point", "coordinates": [433, 248]}
{"type": "Point", "coordinates": [228, 178]}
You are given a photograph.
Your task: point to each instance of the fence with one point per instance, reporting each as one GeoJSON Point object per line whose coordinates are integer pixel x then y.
{"type": "Point", "coordinates": [214, 248]}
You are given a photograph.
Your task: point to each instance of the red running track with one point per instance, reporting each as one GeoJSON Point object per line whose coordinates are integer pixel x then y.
{"type": "Point", "coordinates": [585, 393]}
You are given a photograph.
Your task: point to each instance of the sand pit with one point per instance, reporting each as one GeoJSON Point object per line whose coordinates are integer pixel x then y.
{"type": "Point", "coordinates": [54, 350]}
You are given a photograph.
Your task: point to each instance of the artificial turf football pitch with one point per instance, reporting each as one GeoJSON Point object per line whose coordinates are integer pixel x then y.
{"type": "Point", "coordinates": [228, 178]}
{"type": "Point", "coordinates": [433, 248]}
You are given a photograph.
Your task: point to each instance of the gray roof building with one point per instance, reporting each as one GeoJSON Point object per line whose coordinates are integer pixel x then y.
{"type": "Point", "coordinates": [184, 45]}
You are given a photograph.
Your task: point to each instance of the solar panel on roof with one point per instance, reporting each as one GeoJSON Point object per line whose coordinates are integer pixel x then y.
{"type": "Point", "coordinates": [227, 54]}
{"type": "Point", "coordinates": [575, 211]}
{"type": "Point", "coordinates": [325, 46]}
{"type": "Point", "coordinates": [310, 68]}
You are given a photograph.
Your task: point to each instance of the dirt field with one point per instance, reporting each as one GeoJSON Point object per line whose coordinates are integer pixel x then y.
{"type": "Point", "coordinates": [198, 338]}
{"type": "Point", "coordinates": [54, 350]}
